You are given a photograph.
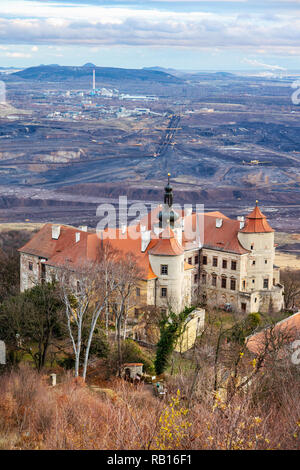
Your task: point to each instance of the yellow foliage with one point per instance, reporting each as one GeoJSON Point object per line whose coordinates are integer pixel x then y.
{"type": "Point", "coordinates": [173, 425]}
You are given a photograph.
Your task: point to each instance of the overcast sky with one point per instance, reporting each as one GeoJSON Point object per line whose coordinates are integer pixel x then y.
{"type": "Point", "coordinates": [190, 35]}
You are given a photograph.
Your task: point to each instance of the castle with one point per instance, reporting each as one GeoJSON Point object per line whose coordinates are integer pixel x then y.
{"type": "Point", "coordinates": [231, 264]}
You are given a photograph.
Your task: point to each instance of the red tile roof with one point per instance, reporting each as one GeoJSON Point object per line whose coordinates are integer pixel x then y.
{"type": "Point", "coordinates": [127, 243]}
{"type": "Point", "coordinates": [43, 245]}
{"type": "Point", "coordinates": [286, 330]}
{"type": "Point", "coordinates": [166, 245]}
{"type": "Point", "coordinates": [256, 222]}
{"type": "Point", "coordinates": [224, 238]}
{"type": "Point", "coordinates": [65, 250]}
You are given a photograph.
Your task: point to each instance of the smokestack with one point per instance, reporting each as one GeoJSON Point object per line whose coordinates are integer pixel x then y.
{"type": "Point", "coordinates": [94, 80]}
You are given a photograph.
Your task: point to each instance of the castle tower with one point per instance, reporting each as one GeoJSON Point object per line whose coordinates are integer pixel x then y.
{"type": "Point", "coordinates": [261, 278]}
{"type": "Point", "coordinates": [167, 262]}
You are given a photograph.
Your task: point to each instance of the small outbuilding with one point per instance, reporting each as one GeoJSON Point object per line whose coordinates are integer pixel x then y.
{"type": "Point", "coordinates": [132, 370]}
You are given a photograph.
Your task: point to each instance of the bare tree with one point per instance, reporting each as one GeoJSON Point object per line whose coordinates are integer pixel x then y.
{"type": "Point", "coordinates": [85, 293]}
{"type": "Point", "coordinates": [128, 275]}
{"type": "Point", "coordinates": [291, 281]}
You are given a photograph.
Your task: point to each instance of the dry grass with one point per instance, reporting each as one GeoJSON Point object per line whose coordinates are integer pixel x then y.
{"type": "Point", "coordinates": [287, 260]}
{"type": "Point", "coordinates": [34, 415]}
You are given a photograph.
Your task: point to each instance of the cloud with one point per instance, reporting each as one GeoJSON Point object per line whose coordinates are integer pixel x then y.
{"type": "Point", "coordinates": [18, 55]}
{"type": "Point", "coordinates": [38, 23]}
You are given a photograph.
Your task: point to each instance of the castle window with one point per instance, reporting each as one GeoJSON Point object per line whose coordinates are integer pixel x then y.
{"type": "Point", "coordinates": [164, 269]}
{"type": "Point", "coordinates": [253, 262]}
{"type": "Point", "coordinates": [266, 283]}
{"type": "Point", "coordinates": [190, 260]}
{"type": "Point", "coordinates": [203, 278]}
{"type": "Point", "coordinates": [137, 291]}
{"type": "Point", "coordinates": [196, 259]}
{"type": "Point", "coordinates": [253, 281]}
{"type": "Point", "coordinates": [78, 286]}
{"type": "Point", "coordinates": [224, 263]}
{"type": "Point", "coordinates": [195, 278]}
{"type": "Point", "coordinates": [232, 284]}
{"type": "Point", "coordinates": [214, 280]}
{"type": "Point", "coordinates": [223, 282]}
{"type": "Point", "coordinates": [215, 261]}
{"type": "Point", "coordinates": [233, 265]}
{"type": "Point", "coordinates": [30, 266]}
{"type": "Point", "coordinates": [243, 306]}
{"type": "Point", "coordinates": [266, 261]}
{"type": "Point", "coordinates": [244, 284]}
{"type": "Point", "coordinates": [252, 246]}
{"type": "Point", "coordinates": [163, 292]}
{"type": "Point", "coordinates": [204, 260]}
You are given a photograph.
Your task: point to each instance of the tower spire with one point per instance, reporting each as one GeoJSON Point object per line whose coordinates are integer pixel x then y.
{"type": "Point", "coordinates": [168, 215]}
{"type": "Point", "coordinates": [168, 198]}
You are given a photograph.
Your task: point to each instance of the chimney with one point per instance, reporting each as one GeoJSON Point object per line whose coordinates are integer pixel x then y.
{"type": "Point", "coordinates": [241, 220]}
{"type": "Point", "coordinates": [145, 237]}
{"type": "Point", "coordinates": [55, 232]}
{"type": "Point", "coordinates": [83, 228]}
{"type": "Point", "coordinates": [77, 237]}
{"type": "Point", "coordinates": [219, 223]}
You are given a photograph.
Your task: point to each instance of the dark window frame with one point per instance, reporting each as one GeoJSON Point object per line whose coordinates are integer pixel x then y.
{"type": "Point", "coordinates": [164, 292]}
{"type": "Point", "coordinates": [164, 269]}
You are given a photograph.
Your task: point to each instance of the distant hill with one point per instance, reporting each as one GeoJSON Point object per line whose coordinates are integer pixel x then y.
{"type": "Point", "coordinates": [161, 69]}
{"type": "Point", "coordinates": [53, 73]}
